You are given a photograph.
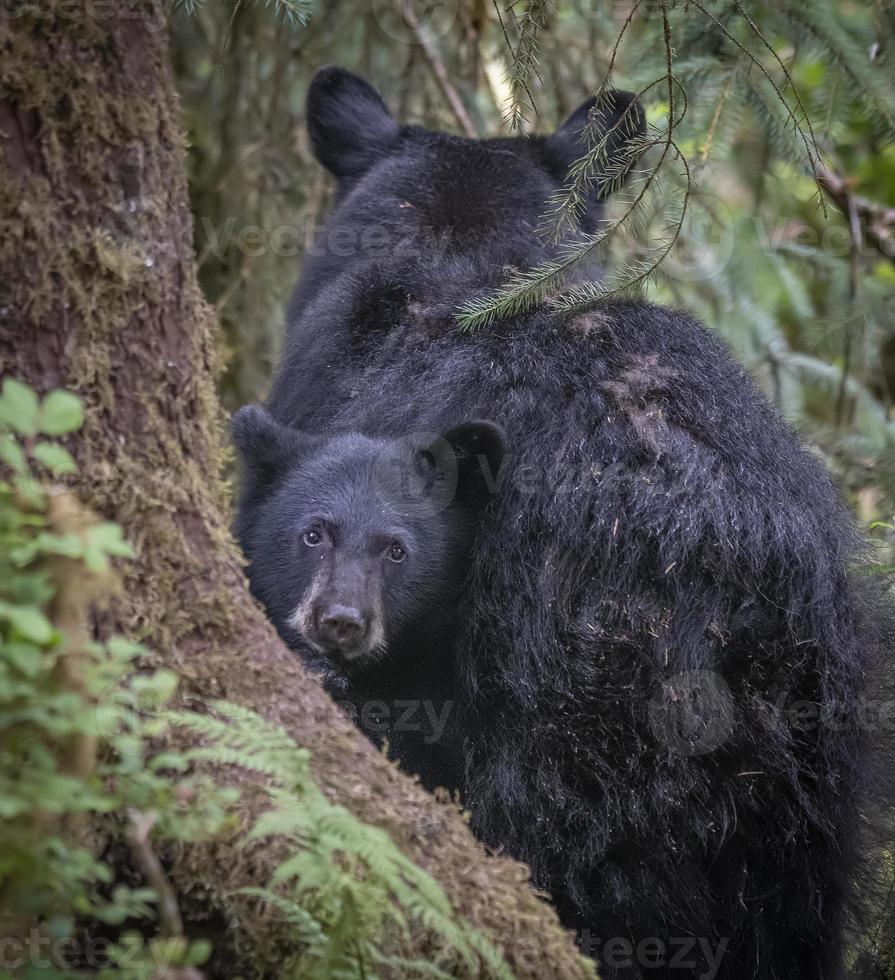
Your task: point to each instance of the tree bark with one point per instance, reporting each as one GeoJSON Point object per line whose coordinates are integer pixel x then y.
{"type": "Point", "coordinates": [98, 294]}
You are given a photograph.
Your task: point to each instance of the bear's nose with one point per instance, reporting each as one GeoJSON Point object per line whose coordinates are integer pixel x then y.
{"type": "Point", "coordinates": [342, 626]}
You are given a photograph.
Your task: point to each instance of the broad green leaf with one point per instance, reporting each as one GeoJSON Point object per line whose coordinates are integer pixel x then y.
{"type": "Point", "coordinates": [54, 458]}
{"type": "Point", "coordinates": [67, 545]}
{"type": "Point", "coordinates": [29, 621]}
{"type": "Point", "coordinates": [11, 452]}
{"type": "Point", "coordinates": [118, 646]}
{"type": "Point", "coordinates": [102, 541]}
{"type": "Point", "coordinates": [109, 537]}
{"type": "Point", "coordinates": [61, 413]}
{"type": "Point", "coordinates": [198, 952]}
{"type": "Point", "coordinates": [19, 407]}
{"type": "Point", "coordinates": [162, 684]}
{"type": "Point", "coordinates": [25, 657]}
{"type": "Point", "coordinates": [10, 807]}
{"type": "Point", "coordinates": [30, 491]}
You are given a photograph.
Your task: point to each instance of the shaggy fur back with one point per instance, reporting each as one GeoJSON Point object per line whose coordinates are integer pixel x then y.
{"type": "Point", "coordinates": [663, 642]}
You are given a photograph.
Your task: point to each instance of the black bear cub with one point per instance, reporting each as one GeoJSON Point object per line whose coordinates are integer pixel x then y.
{"type": "Point", "coordinates": [358, 548]}
{"type": "Point", "coordinates": [573, 567]}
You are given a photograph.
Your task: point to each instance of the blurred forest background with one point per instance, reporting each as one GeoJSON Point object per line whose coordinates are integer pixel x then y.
{"type": "Point", "coordinates": [801, 283]}
{"type": "Point", "coordinates": [763, 201]}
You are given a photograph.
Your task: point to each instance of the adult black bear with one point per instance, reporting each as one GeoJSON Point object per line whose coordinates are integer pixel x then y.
{"type": "Point", "coordinates": [655, 652]}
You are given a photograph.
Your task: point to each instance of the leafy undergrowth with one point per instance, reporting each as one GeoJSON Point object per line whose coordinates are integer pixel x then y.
{"type": "Point", "coordinates": [80, 726]}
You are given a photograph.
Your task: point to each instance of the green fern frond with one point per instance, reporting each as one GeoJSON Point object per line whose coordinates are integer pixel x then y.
{"type": "Point", "coordinates": [346, 891]}
{"type": "Point", "coordinates": [520, 294]}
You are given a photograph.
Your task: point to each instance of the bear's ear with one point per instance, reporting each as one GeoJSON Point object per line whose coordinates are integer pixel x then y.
{"type": "Point", "coordinates": [349, 124]}
{"type": "Point", "coordinates": [618, 117]}
{"type": "Point", "coordinates": [266, 448]}
{"type": "Point", "coordinates": [474, 451]}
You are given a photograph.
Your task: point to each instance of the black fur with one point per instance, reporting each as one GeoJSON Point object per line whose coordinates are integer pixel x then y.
{"type": "Point", "coordinates": [393, 523]}
{"type": "Point", "coordinates": [660, 597]}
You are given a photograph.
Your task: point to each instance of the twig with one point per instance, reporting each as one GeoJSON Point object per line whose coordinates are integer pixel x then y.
{"type": "Point", "coordinates": [169, 922]}
{"type": "Point", "coordinates": [716, 118]}
{"type": "Point", "coordinates": [440, 72]}
{"type": "Point", "coordinates": [619, 36]}
{"type": "Point", "coordinates": [237, 7]}
{"type": "Point", "coordinates": [756, 30]}
{"type": "Point", "coordinates": [564, 207]}
{"type": "Point", "coordinates": [854, 227]}
{"type": "Point", "coordinates": [811, 149]}
{"type": "Point", "coordinates": [577, 299]}
{"type": "Point", "coordinates": [877, 221]}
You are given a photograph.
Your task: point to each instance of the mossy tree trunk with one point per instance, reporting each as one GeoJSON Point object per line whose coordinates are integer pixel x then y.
{"type": "Point", "coordinates": [98, 294]}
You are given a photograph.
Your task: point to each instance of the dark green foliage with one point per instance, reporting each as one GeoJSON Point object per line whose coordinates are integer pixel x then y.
{"type": "Point", "coordinates": [346, 891]}
{"type": "Point", "coordinates": [80, 767]}
{"type": "Point", "coordinates": [75, 722]}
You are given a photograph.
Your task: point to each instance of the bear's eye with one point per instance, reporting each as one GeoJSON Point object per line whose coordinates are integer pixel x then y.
{"type": "Point", "coordinates": [312, 538]}
{"type": "Point", "coordinates": [395, 553]}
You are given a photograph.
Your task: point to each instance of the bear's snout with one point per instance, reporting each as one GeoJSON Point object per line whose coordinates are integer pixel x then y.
{"type": "Point", "coordinates": [341, 627]}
